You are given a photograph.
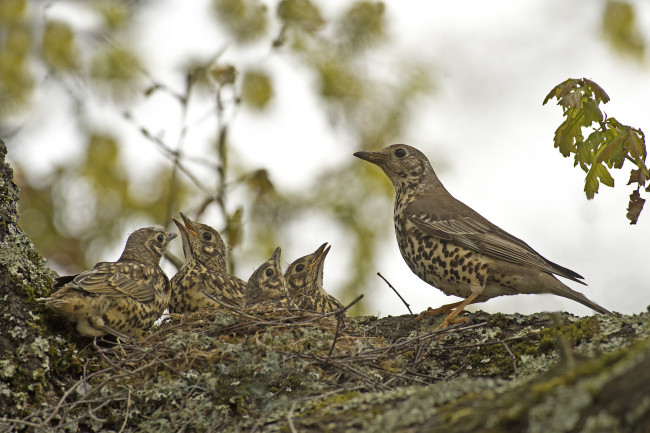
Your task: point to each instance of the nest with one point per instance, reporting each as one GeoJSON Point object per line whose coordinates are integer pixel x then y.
{"type": "Point", "coordinates": [202, 371]}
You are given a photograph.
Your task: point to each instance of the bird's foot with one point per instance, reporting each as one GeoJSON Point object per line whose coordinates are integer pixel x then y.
{"type": "Point", "coordinates": [454, 321]}
{"type": "Point", "coordinates": [440, 311]}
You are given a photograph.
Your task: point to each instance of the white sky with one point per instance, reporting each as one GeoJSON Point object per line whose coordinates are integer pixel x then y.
{"type": "Point", "coordinates": [485, 125]}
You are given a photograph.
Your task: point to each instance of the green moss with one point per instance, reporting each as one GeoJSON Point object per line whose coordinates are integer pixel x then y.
{"type": "Point", "coordinates": [580, 331]}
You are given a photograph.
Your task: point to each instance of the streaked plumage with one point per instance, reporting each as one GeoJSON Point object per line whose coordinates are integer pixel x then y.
{"type": "Point", "coordinates": [305, 282]}
{"type": "Point", "coordinates": [266, 288]}
{"type": "Point", "coordinates": [453, 248]}
{"type": "Point", "coordinates": [118, 297]}
{"type": "Point", "coordinates": [203, 281]}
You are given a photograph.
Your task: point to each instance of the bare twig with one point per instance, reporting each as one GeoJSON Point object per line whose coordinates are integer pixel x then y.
{"type": "Point", "coordinates": [126, 415]}
{"type": "Point", "coordinates": [336, 336]}
{"type": "Point", "coordinates": [290, 418]}
{"type": "Point", "coordinates": [512, 355]}
{"type": "Point", "coordinates": [408, 307]}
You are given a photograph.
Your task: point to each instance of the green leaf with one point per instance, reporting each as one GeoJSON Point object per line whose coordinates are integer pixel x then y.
{"type": "Point", "coordinates": [59, 48]}
{"type": "Point", "coordinates": [597, 172]}
{"type": "Point", "coordinates": [566, 136]}
{"type": "Point", "coordinates": [613, 149]}
{"type": "Point", "coordinates": [604, 175]}
{"type": "Point", "coordinates": [300, 13]}
{"type": "Point", "coordinates": [362, 25]}
{"type": "Point", "coordinates": [591, 112]}
{"type": "Point", "coordinates": [12, 11]}
{"type": "Point", "coordinates": [621, 30]}
{"type": "Point", "coordinates": [561, 90]}
{"type": "Point", "coordinates": [117, 69]}
{"type": "Point", "coordinates": [116, 13]}
{"type": "Point", "coordinates": [234, 227]}
{"type": "Point", "coordinates": [257, 90]}
{"type": "Point", "coordinates": [584, 155]}
{"type": "Point", "coordinates": [245, 20]}
{"type": "Point", "coordinates": [635, 144]}
{"type": "Point", "coordinates": [591, 184]}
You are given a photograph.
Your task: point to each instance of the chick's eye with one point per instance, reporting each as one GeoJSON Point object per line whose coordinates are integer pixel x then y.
{"type": "Point", "coordinates": [269, 272]}
{"type": "Point", "coordinates": [400, 153]}
{"type": "Point", "coordinates": [299, 268]}
{"type": "Point", "coordinates": [160, 238]}
{"type": "Point", "coordinates": [207, 236]}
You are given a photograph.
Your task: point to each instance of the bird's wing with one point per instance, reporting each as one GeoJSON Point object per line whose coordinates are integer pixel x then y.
{"type": "Point", "coordinates": [118, 279]}
{"type": "Point", "coordinates": [227, 288]}
{"type": "Point", "coordinates": [466, 228]}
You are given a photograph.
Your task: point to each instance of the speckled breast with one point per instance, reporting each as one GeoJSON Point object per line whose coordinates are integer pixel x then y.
{"type": "Point", "coordinates": [453, 270]}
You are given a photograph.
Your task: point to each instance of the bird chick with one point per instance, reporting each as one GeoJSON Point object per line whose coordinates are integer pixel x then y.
{"type": "Point", "coordinates": [120, 297]}
{"type": "Point", "coordinates": [305, 282]}
{"type": "Point", "coordinates": [266, 288]}
{"type": "Point", "coordinates": [202, 282]}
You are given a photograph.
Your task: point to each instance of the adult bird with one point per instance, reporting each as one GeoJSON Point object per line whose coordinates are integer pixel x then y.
{"type": "Point", "coordinates": [453, 248]}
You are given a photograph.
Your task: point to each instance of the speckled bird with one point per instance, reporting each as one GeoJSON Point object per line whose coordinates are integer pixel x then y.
{"type": "Point", "coordinates": [305, 282]}
{"type": "Point", "coordinates": [266, 288]}
{"type": "Point", "coordinates": [120, 297]}
{"type": "Point", "coordinates": [452, 247]}
{"type": "Point", "coordinates": [203, 283]}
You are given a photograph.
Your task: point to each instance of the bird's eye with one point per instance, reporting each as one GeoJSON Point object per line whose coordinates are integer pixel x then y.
{"type": "Point", "coordinates": [269, 272]}
{"type": "Point", "coordinates": [300, 267]}
{"type": "Point", "coordinates": [160, 238]}
{"type": "Point", "coordinates": [207, 236]}
{"type": "Point", "coordinates": [400, 153]}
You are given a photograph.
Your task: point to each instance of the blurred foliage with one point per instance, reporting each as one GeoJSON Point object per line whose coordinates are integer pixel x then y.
{"type": "Point", "coordinates": [86, 205]}
{"type": "Point", "coordinates": [257, 89]}
{"type": "Point", "coordinates": [245, 20]}
{"type": "Point", "coordinates": [608, 145]}
{"type": "Point", "coordinates": [16, 38]}
{"type": "Point", "coordinates": [116, 70]}
{"type": "Point", "coordinates": [59, 49]}
{"type": "Point", "coordinates": [621, 30]}
{"type": "Point", "coordinates": [82, 207]}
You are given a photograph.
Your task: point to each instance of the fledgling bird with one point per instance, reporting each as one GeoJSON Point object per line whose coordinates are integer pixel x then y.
{"type": "Point", "coordinates": [267, 289]}
{"type": "Point", "coordinates": [452, 247]}
{"type": "Point", "coordinates": [203, 283]}
{"type": "Point", "coordinates": [305, 282]}
{"type": "Point", "coordinates": [120, 297]}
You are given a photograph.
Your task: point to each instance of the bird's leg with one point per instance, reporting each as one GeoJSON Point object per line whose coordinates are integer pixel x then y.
{"type": "Point", "coordinates": [451, 318]}
{"type": "Point", "coordinates": [443, 310]}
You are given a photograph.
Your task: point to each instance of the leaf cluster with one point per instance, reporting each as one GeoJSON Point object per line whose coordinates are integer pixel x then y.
{"type": "Point", "coordinates": [608, 145]}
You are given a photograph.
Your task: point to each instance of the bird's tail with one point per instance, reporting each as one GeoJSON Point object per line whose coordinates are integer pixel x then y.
{"type": "Point", "coordinates": [561, 289]}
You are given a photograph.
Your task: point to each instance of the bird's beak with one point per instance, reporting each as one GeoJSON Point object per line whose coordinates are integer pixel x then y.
{"type": "Point", "coordinates": [276, 254]}
{"type": "Point", "coordinates": [171, 236]}
{"type": "Point", "coordinates": [189, 225]}
{"type": "Point", "coordinates": [320, 255]}
{"type": "Point", "coordinates": [374, 157]}
{"type": "Point", "coordinates": [181, 227]}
